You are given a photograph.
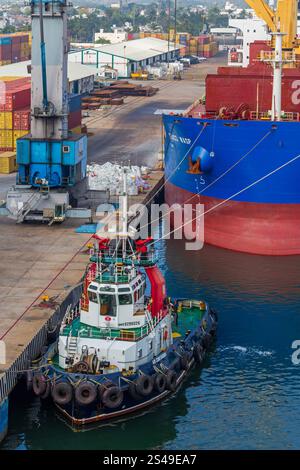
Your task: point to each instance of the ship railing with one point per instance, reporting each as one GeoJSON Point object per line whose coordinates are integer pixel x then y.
{"type": "Point", "coordinates": [266, 116]}
{"type": "Point", "coordinates": [287, 56]}
{"type": "Point", "coordinates": [193, 106]}
{"type": "Point", "coordinates": [144, 260]}
{"type": "Point", "coordinates": [114, 334]}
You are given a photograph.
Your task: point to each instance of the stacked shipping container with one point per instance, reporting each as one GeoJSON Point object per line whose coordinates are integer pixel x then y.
{"type": "Point", "coordinates": [14, 118]}
{"type": "Point", "coordinates": [15, 114]}
{"type": "Point", "coordinates": [204, 45]}
{"type": "Point", "coordinates": [14, 47]}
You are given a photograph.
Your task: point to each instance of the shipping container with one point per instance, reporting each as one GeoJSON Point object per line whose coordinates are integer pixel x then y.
{"type": "Point", "coordinates": [74, 102]}
{"type": "Point", "coordinates": [6, 119]}
{"type": "Point", "coordinates": [17, 98]}
{"type": "Point", "coordinates": [21, 119]}
{"type": "Point", "coordinates": [74, 119]}
{"type": "Point", "coordinates": [8, 163]}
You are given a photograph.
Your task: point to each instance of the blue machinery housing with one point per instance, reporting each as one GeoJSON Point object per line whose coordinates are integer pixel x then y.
{"type": "Point", "coordinates": [62, 163]}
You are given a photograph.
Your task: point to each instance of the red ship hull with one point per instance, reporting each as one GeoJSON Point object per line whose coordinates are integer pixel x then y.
{"type": "Point", "coordinates": [257, 228]}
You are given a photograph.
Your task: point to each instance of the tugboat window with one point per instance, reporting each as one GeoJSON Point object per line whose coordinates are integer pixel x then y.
{"type": "Point", "coordinates": [93, 297]}
{"type": "Point", "coordinates": [108, 305]}
{"type": "Point", "coordinates": [125, 299]}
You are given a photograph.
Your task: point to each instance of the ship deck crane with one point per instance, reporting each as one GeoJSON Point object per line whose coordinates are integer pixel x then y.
{"type": "Point", "coordinates": [283, 19]}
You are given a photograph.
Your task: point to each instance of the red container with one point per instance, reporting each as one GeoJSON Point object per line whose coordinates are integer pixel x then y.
{"type": "Point", "coordinates": [5, 51]}
{"type": "Point", "coordinates": [253, 87]}
{"type": "Point", "coordinates": [74, 119]}
{"type": "Point", "coordinates": [21, 119]}
{"type": "Point", "coordinates": [19, 98]}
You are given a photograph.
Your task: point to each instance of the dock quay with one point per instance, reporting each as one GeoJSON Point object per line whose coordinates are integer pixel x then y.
{"type": "Point", "coordinates": [41, 273]}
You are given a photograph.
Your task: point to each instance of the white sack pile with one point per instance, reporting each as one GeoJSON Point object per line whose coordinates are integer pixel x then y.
{"type": "Point", "coordinates": [109, 177]}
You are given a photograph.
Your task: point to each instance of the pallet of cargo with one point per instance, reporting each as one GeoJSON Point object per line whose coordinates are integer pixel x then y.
{"type": "Point", "coordinates": [106, 93]}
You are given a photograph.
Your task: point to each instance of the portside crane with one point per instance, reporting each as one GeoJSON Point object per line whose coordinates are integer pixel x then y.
{"type": "Point", "coordinates": [283, 19]}
{"type": "Point", "coordinates": [51, 161]}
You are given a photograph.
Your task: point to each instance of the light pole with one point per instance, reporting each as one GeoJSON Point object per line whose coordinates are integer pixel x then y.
{"type": "Point", "coordinates": [125, 65]}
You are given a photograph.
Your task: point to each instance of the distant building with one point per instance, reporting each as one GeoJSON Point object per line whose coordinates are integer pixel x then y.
{"type": "Point", "coordinates": [127, 57]}
{"type": "Point", "coordinates": [118, 35]}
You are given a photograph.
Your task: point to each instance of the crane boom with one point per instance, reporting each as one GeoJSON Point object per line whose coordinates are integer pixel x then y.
{"type": "Point", "coordinates": [263, 11]}
{"type": "Point", "coordinates": [283, 19]}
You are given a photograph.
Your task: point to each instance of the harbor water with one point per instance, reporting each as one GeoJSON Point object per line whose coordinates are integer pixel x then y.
{"type": "Point", "coordinates": [246, 395]}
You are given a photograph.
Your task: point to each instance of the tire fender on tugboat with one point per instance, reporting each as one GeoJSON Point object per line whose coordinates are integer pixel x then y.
{"type": "Point", "coordinates": [62, 393]}
{"type": "Point", "coordinates": [171, 378]}
{"type": "Point", "coordinates": [39, 384]}
{"type": "Point", "coordinates": [144, 385]}
{"type": "Point", "coordinates": [198, 353]}
{"type": "Point", "coordinates": [160, 383]}
{"type": "Point", "coordinates": [86, 393]}
{"type": "Point", "coordinates": [184, 361]}
{"type": "Point", "coordinates": [112, 398]}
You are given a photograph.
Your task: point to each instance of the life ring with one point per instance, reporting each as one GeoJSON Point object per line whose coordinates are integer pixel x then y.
{"type": "Point", "coordinates": [85, 393]}
{"type": "Point", "coordinates": [113, 398]}
{"type": "Point", "coordinates": [160, 383]}
{"type": "Point", "coordinates": [184, 361]}
{"type": "Point", "coordinates": [62, 393]}
{"type": "Point", "coordinates": [144, 385]}
{"type": "Point", "coordinates": [198, 353]}
{"type": "Point", "coordinates": [171, 378]}
{"type": "Point", "coordinates": [39, 384]}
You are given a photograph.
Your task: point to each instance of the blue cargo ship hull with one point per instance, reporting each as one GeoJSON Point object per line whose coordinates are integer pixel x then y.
{"type": "Point", "coordinates": [247, 179]}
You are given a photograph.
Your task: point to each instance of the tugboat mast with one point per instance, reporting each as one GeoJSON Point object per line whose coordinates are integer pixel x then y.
{"type": "Point", "coordinates": [124, 215]}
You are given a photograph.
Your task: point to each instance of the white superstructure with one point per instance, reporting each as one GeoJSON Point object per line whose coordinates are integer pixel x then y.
{"type": "Point", "coordinates": [252, 29]}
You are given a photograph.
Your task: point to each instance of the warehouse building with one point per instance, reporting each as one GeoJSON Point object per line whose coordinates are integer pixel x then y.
{"type": "Point", "coordinates": [81, 78]}
{"type": "Point", "coordinates": [127, 57]}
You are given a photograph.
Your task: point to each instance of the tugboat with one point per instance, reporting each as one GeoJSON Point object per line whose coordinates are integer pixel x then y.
{"type": "Point", "coordinates": [119, 350]}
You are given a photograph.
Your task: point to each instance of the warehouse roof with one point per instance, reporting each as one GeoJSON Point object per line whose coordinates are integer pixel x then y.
{"type": "Point", "coordinates": [139, 49]}
{"type": "Point", "coordinates": [75, 71]}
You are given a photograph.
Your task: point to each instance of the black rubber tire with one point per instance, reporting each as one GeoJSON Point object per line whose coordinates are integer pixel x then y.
{"type": "Point", "coordinates": [171, 378]}
{"type": "Point", "coordinates": [144, 385]}
{"type": "Point", "coordinates": [52, 332]}
{"type": "Point", "coordinates": [160, 383]}
{"type": "Point", "coordinates": [85, 393]}
{"type": "Point", "coordinates": [62, 393]}
{"type": "Point", "coordinates": [29, 380]}
{"type": "Point", "coordinates": [214, 315]}
{"type": "Point", "coordinates": [113, 398]}
{"type": "Point", "coordinates": [47, 391]}
{"type": "Point", "coordinates": [198, 353]}
{"type": "Point", "coordinates": [206, 340]}
{"type": "Point", "coordinates": [184, 361]}
{"type": "Point", "coordinates": [39, 384]}
{"type": "Point", "coordinates": [133, 393]}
